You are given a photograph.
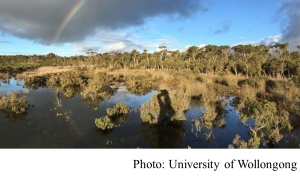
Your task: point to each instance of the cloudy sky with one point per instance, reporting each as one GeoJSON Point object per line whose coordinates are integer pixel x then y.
{"type": "Point", "coordinates": [71, 27]}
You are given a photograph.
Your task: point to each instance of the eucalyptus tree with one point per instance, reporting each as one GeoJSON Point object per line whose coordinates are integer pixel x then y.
{"type": "Point", "coordinates": [134, 54]}
{"type": "Point", "coordinates": [243, 54]}
{"type": "Point", "coordinates": [112, 56]}
{"type": "Point", "coordinates": [147, 56]}
{"type": "Point", "coordinates": [211, 58]}
{"type": "Point", "coordinates": [280, 50]}
{"type": "Point", "coordinates": [192, 52]}
{"type": "Point", "coordinates": [163, 52]}
{"type": "Point", "coordinates": [224, 52]}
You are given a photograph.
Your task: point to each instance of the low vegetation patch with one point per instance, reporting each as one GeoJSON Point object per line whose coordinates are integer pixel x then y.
{"type": "Point", "coordinates": [118, 110]}
{"type": "Point", "coordinates": [13, 103]}
{"type": "Point", "coordinates": [106, 122]}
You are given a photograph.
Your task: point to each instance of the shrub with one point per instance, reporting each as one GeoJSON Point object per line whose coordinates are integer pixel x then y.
{"type": "Point", "coordinates": [119, 109]}
{"type": "Point", "coordinates": [254, 82]}
{"type": "Point", "coordinates": [270, 85]}
{"type": "Point", "coordinates": [14, 103]}
{"type": "Point", "coordinates": [296, 80]}
{"type": "Point", "coordinates": [221, 80]}
{"type": "Point", "coordinates": [199, 79]}
{"type": "Point", "coordinates": [104, 123]}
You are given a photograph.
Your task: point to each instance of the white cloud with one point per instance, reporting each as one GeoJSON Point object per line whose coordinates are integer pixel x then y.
{"type": "Point", "coordinates": [82, 47]}
{"type": "Point", "coordinates": [104, 41]}
{"type": "Point", "coordinates": [202, 45]}
{"type": "Point", "coordinates": [199, 46]}
{"type": "Point", "coordinates": [115, 47]}
{"type": "Point", "coordinates": [270, 40]}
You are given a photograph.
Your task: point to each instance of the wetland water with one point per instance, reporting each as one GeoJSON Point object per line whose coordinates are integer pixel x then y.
{"type": "Point", "coordinates": [54, 121]}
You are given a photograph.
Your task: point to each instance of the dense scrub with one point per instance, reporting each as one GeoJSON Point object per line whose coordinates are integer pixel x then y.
{"type": "Point", "coordinates": [275, 61]}
{"type": "Point", "coordinates": [14, 105]}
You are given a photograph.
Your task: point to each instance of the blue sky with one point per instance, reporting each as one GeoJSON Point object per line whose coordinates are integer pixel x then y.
{"type": "Point", "coordinates": [71, 27]}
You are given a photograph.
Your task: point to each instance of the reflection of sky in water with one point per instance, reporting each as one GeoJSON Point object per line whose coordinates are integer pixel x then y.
{"type": "Point", "coordinates": [13, 86]}
{"type": "Point", "coordinates": [131, 100]}
{"type": "Point", "coordinates": [214, 137]}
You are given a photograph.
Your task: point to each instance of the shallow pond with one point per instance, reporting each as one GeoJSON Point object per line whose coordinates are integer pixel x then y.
{"type": "Point", "coordinates": [58, 122]}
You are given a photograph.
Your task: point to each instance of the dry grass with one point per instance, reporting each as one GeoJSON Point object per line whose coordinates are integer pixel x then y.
{"type": "Point", "coordinates": [47, 70]}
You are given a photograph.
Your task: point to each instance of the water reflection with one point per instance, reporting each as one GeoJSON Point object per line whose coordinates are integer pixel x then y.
{"type": "Point", "coordinates": [163, 136]}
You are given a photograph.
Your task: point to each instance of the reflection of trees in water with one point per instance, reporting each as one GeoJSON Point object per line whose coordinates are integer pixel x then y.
{"type": "Point", "coordinates": [93, 96]}
{"type": "Point", "coordinates": [58, 107]}
{"type": "Point", "coordinates": [212, 117]}
{"type": "Point", "coordinates": [200, 128]}
{"type": "Point", "coordinates": [293, 140]}
{"type": "Point", "coordinates": [163, 136]}
{"type": "Point", "coordinates": [13, 117]}
{"type": "Point", "coordinates": [35, 82]}
{"type": "Point", "coordinates": [5, 78]}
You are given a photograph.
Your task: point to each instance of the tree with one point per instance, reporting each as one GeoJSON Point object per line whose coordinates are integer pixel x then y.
{"type": "Point", "coordinates": [50, 55]}
{"type": "Point", "coordinates": [134, 54]}
{"type": "Point", "coordinates": [163, 52]}
{"type": "Point", "coordinates": [192, 52]}
{"type": "Point", "coordinates": [145, 52]}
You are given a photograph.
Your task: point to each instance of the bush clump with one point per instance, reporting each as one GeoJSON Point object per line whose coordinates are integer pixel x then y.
{"type": "Point", "coordinates": [104, 123]}
{"type": "Point", "coordinates": [254, 82]}
{"type": "Point", "coordinates": [14, 103]}
{"type": "Point", "coordinates": [296, 80]}
{"type": "Point", "coordinates": [119, 109]}
{"type": "Point", "coordinates": [270, 85]}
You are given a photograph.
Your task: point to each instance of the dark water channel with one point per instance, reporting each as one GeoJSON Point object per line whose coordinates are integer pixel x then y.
{"type": "Point", "coordinates": [71, 124]}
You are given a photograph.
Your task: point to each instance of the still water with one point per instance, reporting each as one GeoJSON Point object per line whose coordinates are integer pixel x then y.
{"type": "Point", "coordinates": [58, 122]}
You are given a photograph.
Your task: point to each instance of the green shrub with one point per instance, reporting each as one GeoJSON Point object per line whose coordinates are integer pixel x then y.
{"type": "Point", "coordinates": [14, 103]}
{"type": "Point", "coordinates": [119, 109]}
{"type": "Point", "coordinates": [104, 123]}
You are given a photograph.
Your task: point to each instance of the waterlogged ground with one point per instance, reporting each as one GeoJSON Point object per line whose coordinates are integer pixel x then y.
{"type": "Point", "coordinates": [54, 121]}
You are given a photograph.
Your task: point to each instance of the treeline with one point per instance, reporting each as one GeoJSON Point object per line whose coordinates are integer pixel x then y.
{"type": "Point", "coordinates": [247, 60]}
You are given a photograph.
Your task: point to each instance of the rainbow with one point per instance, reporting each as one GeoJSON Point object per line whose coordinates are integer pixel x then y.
{"type": "Point", "coordinates": [69, 16]}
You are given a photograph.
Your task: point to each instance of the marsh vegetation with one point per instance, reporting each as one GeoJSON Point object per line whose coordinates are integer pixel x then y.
{"type": "Point", "coordinates": [216, 96]}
